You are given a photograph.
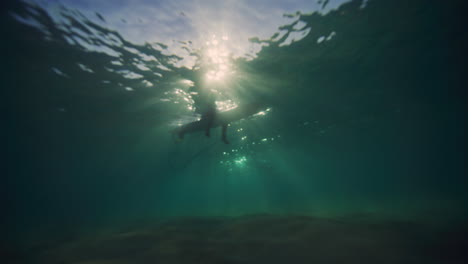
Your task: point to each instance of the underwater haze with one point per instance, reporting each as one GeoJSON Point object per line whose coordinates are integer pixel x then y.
{"type": "Point", "coordinates": [345, 131]}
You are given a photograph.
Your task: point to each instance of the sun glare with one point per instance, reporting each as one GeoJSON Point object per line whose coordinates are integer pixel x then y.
{"type": "Point", "coordinates": [225, 105]}
{"type": "Point", "coordinates": [217, 59]}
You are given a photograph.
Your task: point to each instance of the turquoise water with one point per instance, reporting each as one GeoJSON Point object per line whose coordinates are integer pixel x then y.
{"type": "Point", "coordinates": [362, 121]}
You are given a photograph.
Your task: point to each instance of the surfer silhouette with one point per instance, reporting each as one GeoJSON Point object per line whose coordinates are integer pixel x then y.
{"type": "Point", "coordinates": [208, 117]}
{"type": "Point", "coordinates": [205, 105]}
{"type": "Point", "coordinates": [222, 119]}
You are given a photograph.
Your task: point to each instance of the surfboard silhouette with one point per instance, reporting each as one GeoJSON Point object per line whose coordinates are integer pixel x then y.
{"type": "Point", "coordinates": [221, 119]}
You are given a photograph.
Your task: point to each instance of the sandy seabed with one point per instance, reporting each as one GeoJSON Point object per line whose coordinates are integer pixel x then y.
{"type": "Point", "coordinates": [256, 239]}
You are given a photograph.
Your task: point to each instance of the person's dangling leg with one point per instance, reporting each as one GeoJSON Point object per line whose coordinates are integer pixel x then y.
{"type": "Point", "coordinates": [209, 117]}
{"type": "Point", "coordinates": [223, 133]}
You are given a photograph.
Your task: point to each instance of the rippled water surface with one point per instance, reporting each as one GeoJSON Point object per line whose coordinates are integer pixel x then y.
{"type": "Point", "coordinates": [350, 130]}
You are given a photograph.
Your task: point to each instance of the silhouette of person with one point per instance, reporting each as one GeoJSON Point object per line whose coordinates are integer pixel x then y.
{"type": "Point", "coordinates": [205, 104]}
{"type": "Point", "coordinates": [207, 108]}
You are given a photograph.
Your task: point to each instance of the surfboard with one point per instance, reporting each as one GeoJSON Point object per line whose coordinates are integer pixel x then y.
{"type": "Point", "coordinates": [221, 118]}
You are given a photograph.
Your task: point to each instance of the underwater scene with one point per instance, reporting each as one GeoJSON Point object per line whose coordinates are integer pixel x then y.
{"type": "Point", "coordinates": [261, 131]}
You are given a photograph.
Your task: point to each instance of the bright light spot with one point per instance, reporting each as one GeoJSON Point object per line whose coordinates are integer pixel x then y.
{"type": "Point", "coordinates": [129, 89]}
{"type": "Point", "coordinates": [244, 138]}
{"type": "Point", "coordinates": [320, 40]}
{"type": "Point", "coordinates": [262, 113]}
{"type": "Point", "coordinates": [187, 82]}
{"type": "Point", "coordinates": [129, 74]}
{"type": "Point", "coordinates": [216, 59]}
{"type": "Point", "coordinates": [331, 35]}
{"type": "Point", "coordinates": [85, 68]}
{"type": "Point", "coordinates": [147, 83]}
{"type": "Point", "coordinates": [114, 62]}
{"type": "Point", "coordinates": [240, 162]}
{"type": "Point", "coordinates": [58, 72]}
{"type": "Point", "coordinates": [141, 66]}
{"type": "Point", "coordinates": [177, 96]}
{"type": "Point", "coordinates": [227, 105]}
{"type": "Point", "coordinates": [216, 75]}
{"type": "Point", "coordinates": [363, 4]}
{"type": "Point", "coordinates": [327, 38]}
{"type": "Point", "coordinates": [265, 139]}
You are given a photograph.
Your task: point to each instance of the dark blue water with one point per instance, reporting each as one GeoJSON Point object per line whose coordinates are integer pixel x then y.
{"type": "Point", "coordinates": [358, 141]}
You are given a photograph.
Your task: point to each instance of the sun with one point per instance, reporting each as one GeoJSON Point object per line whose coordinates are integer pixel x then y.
{"type": "Point", "coordinates": [217, 59]}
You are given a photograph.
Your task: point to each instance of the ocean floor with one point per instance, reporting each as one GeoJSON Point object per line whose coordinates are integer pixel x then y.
{"type": "Point", "coordinates": [255, 239]}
